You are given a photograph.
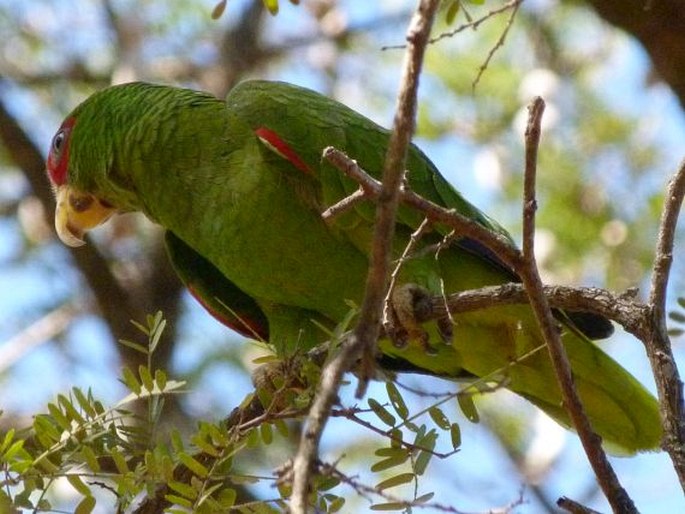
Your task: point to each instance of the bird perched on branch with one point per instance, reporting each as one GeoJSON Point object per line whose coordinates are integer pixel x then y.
{"type": "Point", "coordinates": [240, 185]}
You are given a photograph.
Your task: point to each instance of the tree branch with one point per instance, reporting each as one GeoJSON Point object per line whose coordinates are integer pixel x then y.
{"type": "Point", "coordinates": [668, 382]}
{"type": "Point", "coordinates": [368, 326]}
{"type": "Point", "coordinates": [592, 443]}
{"type": "Point", "coordinates": [574, 507]}
{"type": "Point", "coordinates": [464, 226]}
{"type": "Point", "coordinates": [632, 315]}
{"type": "Point", "coordinates": [367, 330]}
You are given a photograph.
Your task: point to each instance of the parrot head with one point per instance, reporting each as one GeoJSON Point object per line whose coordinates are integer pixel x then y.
{"type": "Point", "coordinates": [77, 211]}
{"type": "Point", "coordinates": [105, 146]}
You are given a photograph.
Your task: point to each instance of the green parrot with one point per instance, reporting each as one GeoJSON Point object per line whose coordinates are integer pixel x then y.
{"type": "Point", "coordinates": [240, 185]}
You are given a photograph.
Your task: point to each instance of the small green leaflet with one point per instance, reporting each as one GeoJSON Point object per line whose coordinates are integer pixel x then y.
{"type": "Point", "coordinates": [467, 406]}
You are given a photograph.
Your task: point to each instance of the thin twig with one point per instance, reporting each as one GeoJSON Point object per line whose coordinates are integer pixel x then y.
{"type": "Point", "coordinates": [414, 240]}
{"type": "Point", "coordinates": [344, 205]}
{"type": "Point", "coordinates": [664, 368]}
{"type": "Point", "coordinates": [367, 330]}
{"type": "Point", "coordinates": [473, 24]}
{"type": "Point", "coordinates": [350, 414]}
{"type": "Point", "coordinates": [498, 44]}
{"type": "Point", "coordinates": [592, 443]}
{"type": "Point", "coordinates": [367, 491]}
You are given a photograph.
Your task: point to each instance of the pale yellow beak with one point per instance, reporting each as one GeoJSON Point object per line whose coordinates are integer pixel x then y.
{"type": "Point", "coordinates": [77, 213]}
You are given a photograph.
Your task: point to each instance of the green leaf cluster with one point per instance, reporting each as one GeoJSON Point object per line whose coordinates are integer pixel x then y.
{"type": "Point", "coordinates": [101, 450]}
{"type": "Point", "coordinates": [412, 446]}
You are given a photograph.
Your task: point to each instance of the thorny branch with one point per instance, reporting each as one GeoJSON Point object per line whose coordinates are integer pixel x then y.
{"type": "Point", "coordinates": [464, 226]}
{"type": "Point", "coordinates": [367, 330]}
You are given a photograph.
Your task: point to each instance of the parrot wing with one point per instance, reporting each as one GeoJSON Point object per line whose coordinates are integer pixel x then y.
{"type": "Point", "coordinates": [218, 295]}
{"type": "Point", "coordinates": [267, 107]}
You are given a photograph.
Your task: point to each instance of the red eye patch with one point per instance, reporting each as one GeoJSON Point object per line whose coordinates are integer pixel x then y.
{"type": "Point", "coordinates": [58, 158]}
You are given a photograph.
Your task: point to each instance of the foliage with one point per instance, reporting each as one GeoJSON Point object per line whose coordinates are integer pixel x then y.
{"type": "Point", "coordinates": [101, 451]}
{"type": "Point", "coordinates": [78, 439]}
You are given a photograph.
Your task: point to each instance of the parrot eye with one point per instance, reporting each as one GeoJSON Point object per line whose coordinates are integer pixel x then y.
{"type": "Point", "coordinates": [58, 141]}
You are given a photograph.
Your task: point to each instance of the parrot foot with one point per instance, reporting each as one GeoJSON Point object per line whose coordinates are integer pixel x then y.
{"type": "Point", "coordinates": [277, 383]}
{"type": "Point", "coordinates": [285, 473]}
{"type": "Point", "coordinates": [409, 304]}
{"type": "Point", "coordinates": [446, 329]}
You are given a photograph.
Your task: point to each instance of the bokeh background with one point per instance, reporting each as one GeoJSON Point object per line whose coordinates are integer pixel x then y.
{"type": "Point", "coordinates": [614, 132]}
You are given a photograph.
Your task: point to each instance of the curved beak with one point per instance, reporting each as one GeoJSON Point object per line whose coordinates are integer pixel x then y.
{"type": "Point", "coordinates": [77, 213]}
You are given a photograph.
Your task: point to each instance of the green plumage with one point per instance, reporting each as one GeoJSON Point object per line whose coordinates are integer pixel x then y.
{"type": "Point", "coordinates": [248, 237]}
